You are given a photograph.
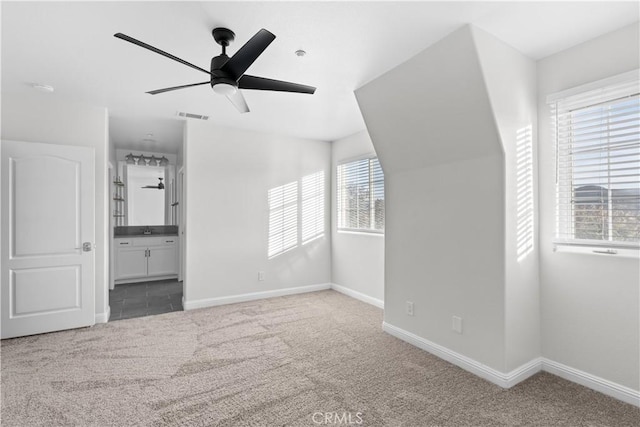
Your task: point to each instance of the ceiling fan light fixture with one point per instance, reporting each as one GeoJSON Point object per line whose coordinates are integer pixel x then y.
{"type": "Point", "coordinates": [225, 89]}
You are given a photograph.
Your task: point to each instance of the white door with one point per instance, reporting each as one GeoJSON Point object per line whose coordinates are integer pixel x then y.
{"type": "Point", "coordinates": [47, 278]}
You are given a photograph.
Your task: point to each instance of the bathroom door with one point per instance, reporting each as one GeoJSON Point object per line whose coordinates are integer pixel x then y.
{"type": "Point", "coordinates": [48, 230]}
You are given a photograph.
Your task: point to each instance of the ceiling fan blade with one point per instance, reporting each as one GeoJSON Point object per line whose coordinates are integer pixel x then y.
{"type": "Point", "coordinates": [238, 101]}
{"type": "Point", "coordinates": [168, 89]}
{"type": "Point", "coordinates": [156, 50]}
{"type": "Point", "coordinates": [247, 54]}
{"type": "Point", "coordinates": [261, 83]}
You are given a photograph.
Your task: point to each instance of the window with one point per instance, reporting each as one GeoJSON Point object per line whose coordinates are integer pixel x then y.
{"type": "Point", "coordinates": [598, 163]}
{"type": "Point", "coordinates": [283, 218]}
{"type": "Point", "coordinates": [360, 188]}
{"type": "Point", "coordinates": [312, 206]}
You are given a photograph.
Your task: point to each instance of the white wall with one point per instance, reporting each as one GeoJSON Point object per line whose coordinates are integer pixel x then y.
{"type": "Point", "coordinates": [590, 302]}
{"type": "Point", "coordinates": [433, 128]}
{"type": "Point", "coordinates": [510, 78]}
{"type": "Point", "coordinates": [229, 173]}
{"type": "Point", "coordinates": [40, 118]}
{"type": "Point", "coordinates": [357, 259]}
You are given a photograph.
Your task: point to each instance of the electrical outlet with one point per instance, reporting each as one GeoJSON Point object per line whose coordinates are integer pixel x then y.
{"type": "Point", "coordinates": [261, 275]}
{"type": "Point", "coordinates": [409, 308]}
{"type": "Point", "coordinates": [456, 324]}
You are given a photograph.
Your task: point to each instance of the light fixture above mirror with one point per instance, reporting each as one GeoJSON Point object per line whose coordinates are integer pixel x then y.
{"type": "Point", "coordinates": [142, 160]}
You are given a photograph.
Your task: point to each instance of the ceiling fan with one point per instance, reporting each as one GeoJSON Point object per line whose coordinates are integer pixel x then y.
{"type": "Point", "coordinates": [227, 74]}
{"type": "Point", "coordinates": [160, 185]}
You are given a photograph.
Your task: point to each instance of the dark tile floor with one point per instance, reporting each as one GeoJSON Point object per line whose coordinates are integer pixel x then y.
{"type": "Point", "coordinates": [145, 298]}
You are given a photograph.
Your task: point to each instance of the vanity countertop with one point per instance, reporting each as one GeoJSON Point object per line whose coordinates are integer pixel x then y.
{"type": "Point", "coordinates": [135, 236]}
{"type": "Point", "coordinates": [128, 232]}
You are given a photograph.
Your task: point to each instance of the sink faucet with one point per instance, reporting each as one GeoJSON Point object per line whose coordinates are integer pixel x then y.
{"type": "Point", "coordinates": [146, 230]}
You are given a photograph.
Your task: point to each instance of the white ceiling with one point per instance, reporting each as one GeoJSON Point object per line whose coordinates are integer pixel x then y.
{"type": "Point", "coordinates": [71, 47]}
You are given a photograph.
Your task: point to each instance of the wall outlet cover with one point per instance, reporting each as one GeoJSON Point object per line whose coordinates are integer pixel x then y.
{"type": "Point", "coordinates": [409, 308]}
{"type": "Point", "coordinates": [456, 324]}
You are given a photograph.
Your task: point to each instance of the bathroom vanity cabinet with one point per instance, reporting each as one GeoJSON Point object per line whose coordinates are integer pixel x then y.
{"type": "Point", "coordinates": [145, 258]}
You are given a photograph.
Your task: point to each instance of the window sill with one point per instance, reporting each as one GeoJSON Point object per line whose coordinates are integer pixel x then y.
{"type": "Point", "coordinates": [603, 251]}
{"type": "Point", "coordinates": [361, 233]}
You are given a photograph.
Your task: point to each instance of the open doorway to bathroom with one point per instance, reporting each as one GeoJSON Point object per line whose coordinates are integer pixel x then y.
{"type": "Point", "coordinates": [146, 215]}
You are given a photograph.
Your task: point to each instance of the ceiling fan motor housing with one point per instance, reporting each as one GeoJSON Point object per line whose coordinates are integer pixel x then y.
{"type": "Point", "coordinates": [217, 75]}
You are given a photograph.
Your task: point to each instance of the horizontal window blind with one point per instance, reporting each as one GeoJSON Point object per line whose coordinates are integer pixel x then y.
{"type": "Point", "coordinates": [360, 188]}
{"type": "Point", "coordinates": [598, 165]}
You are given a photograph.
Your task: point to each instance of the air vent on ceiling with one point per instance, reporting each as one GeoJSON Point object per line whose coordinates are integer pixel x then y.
{"type": "Point", "coordinates": [192, 116]}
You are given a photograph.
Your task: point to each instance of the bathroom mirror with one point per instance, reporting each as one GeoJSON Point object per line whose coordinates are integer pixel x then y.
{"type": "Point", "coordinates": [150, 193]}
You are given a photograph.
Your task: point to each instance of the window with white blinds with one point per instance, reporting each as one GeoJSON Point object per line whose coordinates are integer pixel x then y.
{"type": "Point", "coordinates": [360, 188]}
{"type": "Point", "coordinates": [283, 218]}
{"type": "Point", "coordinates": [598, 164]}
{"type": "Point", "coordinates": [312, 206]}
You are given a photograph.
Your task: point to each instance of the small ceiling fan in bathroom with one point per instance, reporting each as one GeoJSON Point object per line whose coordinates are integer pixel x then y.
{"type": "Point", "coordinates": [160, 185]}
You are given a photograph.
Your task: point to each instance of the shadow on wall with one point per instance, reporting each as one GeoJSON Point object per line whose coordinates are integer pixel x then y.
{"type": "Point", "coordinates": [524, 188]}
{"type": "Point", "coordinates": [296, 214]}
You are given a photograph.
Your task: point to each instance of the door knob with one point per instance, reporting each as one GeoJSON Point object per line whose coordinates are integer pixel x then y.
{"type": "Point", "coordinates": [86, 247]}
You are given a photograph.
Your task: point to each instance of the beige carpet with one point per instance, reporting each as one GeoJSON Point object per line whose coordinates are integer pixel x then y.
{"type": "Point", "coordinates": [268, 363]}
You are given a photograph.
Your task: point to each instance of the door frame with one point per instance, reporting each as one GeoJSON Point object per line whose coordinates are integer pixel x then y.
{"type": "Point", "coordinates": [110, 243]}
{"type": "Point", "coordinates": [181, 230]}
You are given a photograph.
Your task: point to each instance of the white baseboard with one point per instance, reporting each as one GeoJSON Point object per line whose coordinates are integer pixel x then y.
{"type": "Point", "coordinates": [212, 302]}
{"type": "Point", "coordinates": [508, 380]}
{"type": "Point", "coordinates": [504, 380]}
{"type": "Point", "coordinates": [593, 382]}
{"type": "Point", "coordinates": [358, 295]}
{"type": "Point", "coordinates": [103, 317]}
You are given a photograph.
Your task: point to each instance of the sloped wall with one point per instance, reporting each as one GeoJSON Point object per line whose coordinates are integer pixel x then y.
{"type": "Point", "coordinates": [431, 123]}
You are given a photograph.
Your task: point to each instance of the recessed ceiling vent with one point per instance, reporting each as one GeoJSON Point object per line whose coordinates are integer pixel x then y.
{"type": "Point", "coordinates": [192, 116]}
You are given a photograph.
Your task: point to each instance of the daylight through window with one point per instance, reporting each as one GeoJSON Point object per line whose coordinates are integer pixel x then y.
{"type": "Point", "coordinates": [598, 165]}
{"type": "Point", "coordinates": [283, 218]}
{"type": "Point", "coordinates": [360, 188]}
{"type": "Point", "coordinates": [296, 213]}
{"type": "Point", "coordinates": [312, 206]}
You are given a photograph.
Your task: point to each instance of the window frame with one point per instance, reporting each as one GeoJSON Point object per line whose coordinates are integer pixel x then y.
{"type": "Point", "coordinates": [351, 230]}
{"type": "Point", "coordinates": [565, 212]}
